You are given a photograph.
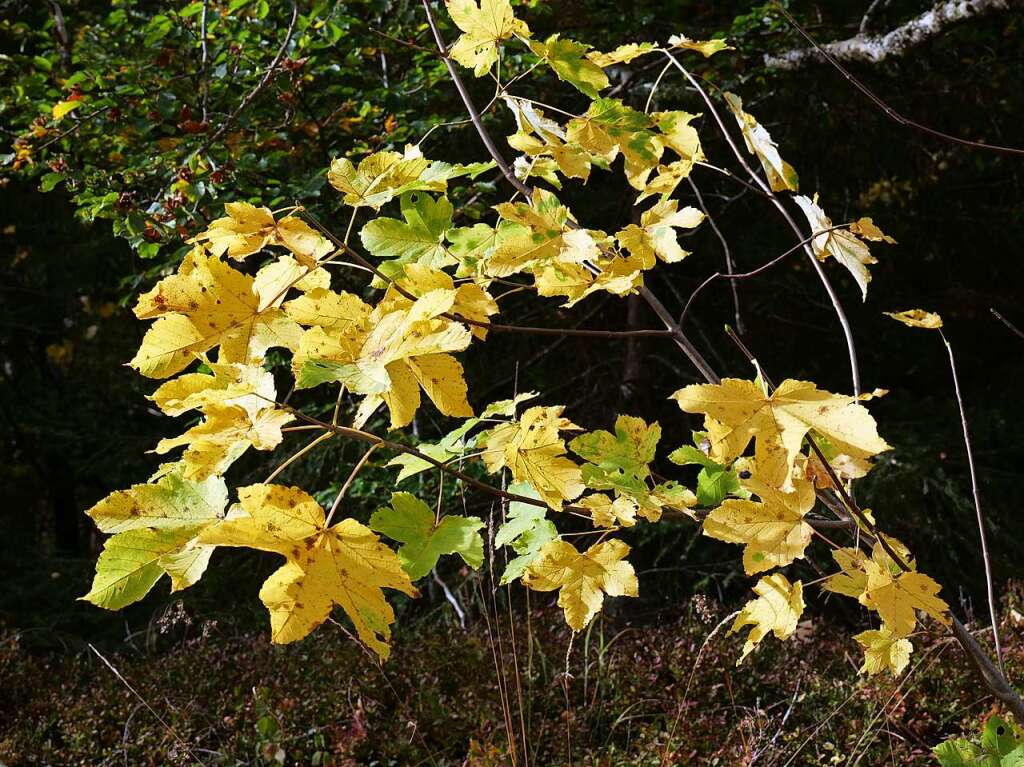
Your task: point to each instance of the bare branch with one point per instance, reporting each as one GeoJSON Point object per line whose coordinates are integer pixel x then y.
{"type": "Point", "coordinates": [990, 586]}
{"type": "Point", "coordinates": [873, 49]}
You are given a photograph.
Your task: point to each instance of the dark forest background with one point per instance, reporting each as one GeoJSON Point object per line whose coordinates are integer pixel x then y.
{"type": "Point", "coordinates": [74, 421]}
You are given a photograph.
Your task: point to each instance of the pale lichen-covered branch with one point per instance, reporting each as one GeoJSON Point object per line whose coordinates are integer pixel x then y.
{"type": "Point", "coordinates": [872, 49]}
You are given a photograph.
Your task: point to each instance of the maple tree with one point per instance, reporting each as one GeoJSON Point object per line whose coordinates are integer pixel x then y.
{"type": "Point", "coordinates": [777, 461]}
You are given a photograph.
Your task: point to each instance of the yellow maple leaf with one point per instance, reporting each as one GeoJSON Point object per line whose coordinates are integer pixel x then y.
{"type": "Point", "coordinates": [707, 48]}
{"type": "Point", "coordinates": [583, 579]}
{"type": "Point", "coordinates": [224, 434]}
{"type": "Point", "coordinates": [884, 649]}
{"type": "Point", "coordinates": [866, 228]}
{"type": "Point", "coordinates": [777, 609]}
{"type": "Point", "coordinates": [539, 137]}
{"type": "Point", "coordinates": [324, 308]}
{"type": "Point", "coordinates": [391, 356]}
{"type": "Point", "coordinates": [470, 301]}
{"type": "Point", "coordinates": [249, 386]}
{"type": "Point", "coordinates": [917, 318]}
{"type": "Point", "coordinates": [897, 597]}
{"type": "Point", "coordinates": [344, 565]}
{"type": "Point", "coordinates": [608, 513]}
{"type": "Point", "coordinates": [483, 26]}
{"type": "Point", "coordinates": [655, 237]}
{"type": "Point", "coordinates": [773, 529]}
{"type": "Point", "coordinates": [534, 452]}
{"type": "Point", "coordinates": [851, 578]}
{"type": "Point", "coordinates": [621, 55]}
{"type": "Point", "coordinates": [154, 530]}
{"type": "Point", "coordinates": [780, 173]}
{"type": "Point", "coordinates": [609, 127]}
{"type": "Point", "coordinates": [844, 247]}
{"type": "Point", "coordinates": [247, 229]}
{"type": "Point", "coordinates": [207, 304]}
{"type": "Point", "coordinates": [880, 584]}
{"type": "Point", "coordinates": [737, 411]}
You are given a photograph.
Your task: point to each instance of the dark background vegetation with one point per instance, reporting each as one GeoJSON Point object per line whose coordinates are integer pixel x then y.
{"type": "Point", "coordinates": [75, 425]}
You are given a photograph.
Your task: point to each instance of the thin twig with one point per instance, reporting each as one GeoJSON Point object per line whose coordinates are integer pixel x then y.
{"type": "Point", "coordinates": [348, 482]}
{"type": "Point", "coordinates": [754, 273]}
{"type": "Point", "coordinates": [977, 507]}
{"type": "Point", "coordinates": [184, 744]}
{"type": "Point", "coordinates": [1013, 328]}
{"type": "Point", "coordinates": [729, 269]}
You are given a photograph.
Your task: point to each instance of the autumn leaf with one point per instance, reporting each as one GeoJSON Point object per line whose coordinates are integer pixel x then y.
{"type": "Point", "coordinates": [880, 584]}
{"type": "Point", "coordinates": [471, 301]}
{"type": "Point", "coordinates": [738, 411]}
{"type": "Point", "coordinates": [418, 239]}
{"type": "Point", "coordinates": [884, 650]}
{"type": "Point", "coordinates": [776, 610]}
{"type": "Point", "coordinates": [620, 462]}
{"type": "Point", "coordinates": [483, 27]}
{"type": "Point", "coordinates": [205, 305]}
{"type": "Point", "coordinates": [224, 434]}
{"type": "Point", "coordinates": [609, 127]}
{"type": "Point", "coordinates": [773, 529]}
{"type": "Point", "coordinates": [540, 138]}
{"type": "Point", "coordinates": [248, 229]}
{"type": "Point", "coordinates": [917, 318]}
{"type": "Point", "coordinates": [382, 176]}
{"type": "Point", "coordinates": [344, 565]}
{"type": "Point", "coordinates": [656, 236]}
{"type": "Point", "coordinates": [621, 55]}
{"type": "Point", "coordinates": [896, 598]}
{"type": "Point", "coordinates": [582, 580]}
{"type": "Point", "coordinates": [534, 452]}
{"type": "Point", "coordinates": [780, 173]}
{"type": "Point", "coordinates": [249, 386]}
{"type": "Point", "coordinates": [400, 352]}
{"type": "Point", "coordinates": [606, 512]}
{"type": "Point", "coordinates": [568, 59]}
{"type": "Point", "coordinates": [424, 539]}
{"type": "Point", "coordinates": [707, 48]}
{"type": "Point", "coordinates": [868, 230]}
{"type": "Point", "coordinates": [342, 313]}
{"type": "Point", "coordinates": [844, 247]}
{"type": "Point", "coordinates": [154, 529]}
{"type": "Point", "coordinates": [62, 109]}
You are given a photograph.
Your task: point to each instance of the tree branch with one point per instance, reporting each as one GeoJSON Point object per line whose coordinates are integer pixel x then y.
{"type": "Point", "coordinates": [873, 49]}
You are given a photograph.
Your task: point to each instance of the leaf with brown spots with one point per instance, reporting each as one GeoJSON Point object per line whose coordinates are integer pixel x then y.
{"type": "Point", "coordinates": [344, 564]}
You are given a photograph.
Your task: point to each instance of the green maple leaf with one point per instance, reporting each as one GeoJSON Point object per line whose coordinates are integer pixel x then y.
{"type": "Point", "coordinates": [154, 530]}
{"type": "Point", "coordinates": [417, 239]}
{"type": "Point", "coordinates": [526, 530]}
{"type": "Point", "coordinates": [619, 461]}
{"type": "Point", "coordinates": [715, 482]}
{"type": "Point", "coordinates": [411, 522]}
{"type": "Point", "coordinates": [569, 61]}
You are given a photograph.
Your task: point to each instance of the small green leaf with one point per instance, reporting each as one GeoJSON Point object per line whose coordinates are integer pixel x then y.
{"type": "Point", "coordinates": [411, 522]}
{"type": "Point", "coordinates": [714, 485]}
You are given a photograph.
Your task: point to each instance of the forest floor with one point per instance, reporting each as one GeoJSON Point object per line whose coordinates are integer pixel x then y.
{"type": "Point", "coordinates": [656, 692]}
